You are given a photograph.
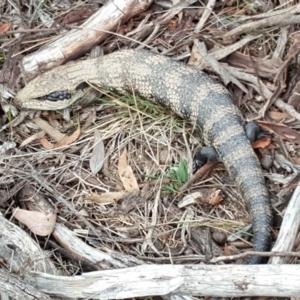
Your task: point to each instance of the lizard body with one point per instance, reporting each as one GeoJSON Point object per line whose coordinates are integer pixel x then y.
{"type": "Point", "coordinates": [188, 92]}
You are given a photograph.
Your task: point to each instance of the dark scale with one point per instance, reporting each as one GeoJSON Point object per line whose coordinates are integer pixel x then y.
{"type": "Point", "coordinates": [205, 154]}
{"type": "Point", "coordinates": [56, 96]}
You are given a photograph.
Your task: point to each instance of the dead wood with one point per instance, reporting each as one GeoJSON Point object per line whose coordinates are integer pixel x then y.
{"type": "Point", "coordinates": [205, 16]}
{"type": "Point", "coordinates": [197, 280]}
{"type": "Point", "coordinates": [16, 288]}
{"type": "Point", "coordinates": [284, 19]}
{"type": "Point", "coordinates": [26, 254]}
{"type": "Point", "coordinates": [289, 229]}
{"type": "Point", "coordinates": [79, 41]}
{"type": "Point", "coordinates": [78, 248]}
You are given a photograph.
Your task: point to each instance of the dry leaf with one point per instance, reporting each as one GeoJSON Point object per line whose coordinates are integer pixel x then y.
{"type": "Point", "coordinates": [126, 174]}
{"type": "Point", "coordinates": [227, 251]}
{"type": "Point", "coordinates": [37, 222]}
{"type": "Point", "coordinates": [215, 197]}
{"type": "Point", "coordinates": [98, 154]}
{"type": "Point", "coordinates": [278, 116]}
{"type": "Point", "coordinates": [46, 144]}
{"type": "Point", "coordinates": [262, 143]}
{"type": "Point", "coordinates": [67, 140]}
{"type": "Point", "coordinates": [282, 131]}
{"type": "Point", "coordinates": [110, 197]}
{"type": "Point", "coordinates": [267, 68]}
{"type": "Point", "coordinates": [203, 196]}
{"type": "Point", "coordinates": [62, 139]}
{"type": "Point", "coordinates": [4, 27]}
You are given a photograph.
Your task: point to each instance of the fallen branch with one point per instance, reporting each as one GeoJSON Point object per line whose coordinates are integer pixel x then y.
{"type": "Point", "coordinates": [76, 42]}
{"type": "Point", "coordinates": [14, 287]}
{"type": "Point", "coordinates": [197, 280]}
{"type": "Point", "coordinates": [284, 19]}
{"type": "Point", "coordinates": [289, 229]}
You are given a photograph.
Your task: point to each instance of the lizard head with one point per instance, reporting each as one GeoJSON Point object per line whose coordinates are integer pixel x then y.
{"type": "Point", "coordinates": [53, 90]}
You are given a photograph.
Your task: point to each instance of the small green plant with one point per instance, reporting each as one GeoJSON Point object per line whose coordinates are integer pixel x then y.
{"type": "Point", "coordinates": [176, 173]}
{"type": "Point", "coordinates": [9, 115]}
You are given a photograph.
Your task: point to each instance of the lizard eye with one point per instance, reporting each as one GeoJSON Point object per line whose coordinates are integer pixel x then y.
{"type": "Point", "coordinates": [56, 96]}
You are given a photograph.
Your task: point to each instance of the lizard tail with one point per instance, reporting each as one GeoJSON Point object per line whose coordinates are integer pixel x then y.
{"type": "Point", "coordinates": [227, 135]}
{"type": "Point", "coordinates": [244, 167]}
